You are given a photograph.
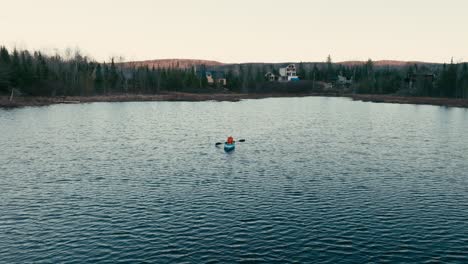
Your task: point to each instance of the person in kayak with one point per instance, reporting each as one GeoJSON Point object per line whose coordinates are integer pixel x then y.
{"type": "Point", "coordinates": [230, 140]}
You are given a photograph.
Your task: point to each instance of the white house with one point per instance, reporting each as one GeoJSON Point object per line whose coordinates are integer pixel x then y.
{"type": "Point", "coordinates": [343, 80]}
{"type": "Point", "coordinates": [288, 74]}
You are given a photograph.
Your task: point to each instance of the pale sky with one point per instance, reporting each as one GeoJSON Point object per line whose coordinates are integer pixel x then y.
{"type": "Point", "coordinates": [242, 30]}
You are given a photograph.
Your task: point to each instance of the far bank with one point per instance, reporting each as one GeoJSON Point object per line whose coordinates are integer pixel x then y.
{"type": "Point", "coordinates": [24, 101]}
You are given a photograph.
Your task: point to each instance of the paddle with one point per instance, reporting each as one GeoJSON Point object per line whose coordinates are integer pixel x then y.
{"type": "Point", "coordinates": [219, 143]}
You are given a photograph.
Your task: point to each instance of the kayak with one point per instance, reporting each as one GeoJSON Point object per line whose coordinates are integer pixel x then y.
{"type": "Point", "coordinates": [229, 147]}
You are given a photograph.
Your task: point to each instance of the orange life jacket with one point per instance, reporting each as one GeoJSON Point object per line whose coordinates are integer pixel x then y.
{"type": "Point", "coordinates": [230, 140]}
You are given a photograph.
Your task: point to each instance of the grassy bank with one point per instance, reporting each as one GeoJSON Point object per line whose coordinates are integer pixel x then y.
{"type": "Point", "coordinates": [172, 96]}
{"type": "Point", "coordinates": [231, 97]}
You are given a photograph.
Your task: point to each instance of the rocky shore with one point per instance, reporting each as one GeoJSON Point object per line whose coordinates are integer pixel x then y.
{"type": "Point", "coordinates": [231, 97]}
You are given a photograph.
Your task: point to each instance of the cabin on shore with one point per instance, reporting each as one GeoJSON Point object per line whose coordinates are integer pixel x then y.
{"type": "Point", "coordinates": [271, 77]}
{"type": "Point", "coordinates": [344, 81]}
{"type": "Point", "coordinates": [213, 77]}
{"type": "Point", "coordinates": [217, 78]}
{"type": "Point", "coordinates": [286, 74]}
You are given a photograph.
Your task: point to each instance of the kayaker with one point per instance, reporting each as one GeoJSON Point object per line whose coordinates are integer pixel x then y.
{"type": "Point", "coordinates": [230, 140]}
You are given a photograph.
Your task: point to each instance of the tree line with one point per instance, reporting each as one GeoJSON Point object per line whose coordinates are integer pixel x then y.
{"type": "Point", "coordinates": [36, 74]}
{"type": "Point", "coordinates": [432, 80]}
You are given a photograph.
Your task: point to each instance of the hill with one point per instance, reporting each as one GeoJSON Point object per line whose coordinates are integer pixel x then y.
{"type": "Point", "coordinates": [172, 63]}
{"type": "Point", "coordinates": [188, 63]}
{"type": "Point", "coordinates": [393, 63]}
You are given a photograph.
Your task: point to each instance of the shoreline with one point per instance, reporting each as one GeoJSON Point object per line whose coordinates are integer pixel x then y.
{"type": "Point", "coordinates": [220, 97]}
{"type": "Point", "coordinates": [392, 99]}
{"type": "Point", "coordinates": [25, 101]}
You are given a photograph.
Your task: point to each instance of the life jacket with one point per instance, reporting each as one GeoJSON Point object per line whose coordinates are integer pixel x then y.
{"type": "Point", "coordinates": [230, 140]}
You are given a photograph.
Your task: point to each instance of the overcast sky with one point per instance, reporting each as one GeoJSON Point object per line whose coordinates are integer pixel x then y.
{"type": "Point", "coordinates": [242, 30]}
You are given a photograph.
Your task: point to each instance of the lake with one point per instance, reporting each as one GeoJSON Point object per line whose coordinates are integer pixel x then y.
{"type": "Point", "coordinates": [318, 180]}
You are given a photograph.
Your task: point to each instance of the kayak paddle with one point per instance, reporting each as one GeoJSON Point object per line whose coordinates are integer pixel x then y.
{"type": "Point", "coordinates": [219, 143]}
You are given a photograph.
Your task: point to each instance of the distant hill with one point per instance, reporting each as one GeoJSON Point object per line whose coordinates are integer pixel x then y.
{"type": "Point", "coordinates": [172, 63]}
{"type": "Point", "coordinates": [394, 63]}
{"type": "Point", "coordinates": [188, 63]}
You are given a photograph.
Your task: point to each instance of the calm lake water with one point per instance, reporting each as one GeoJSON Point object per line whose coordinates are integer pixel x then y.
{"type": "Point", "coordinates": [317, 180]}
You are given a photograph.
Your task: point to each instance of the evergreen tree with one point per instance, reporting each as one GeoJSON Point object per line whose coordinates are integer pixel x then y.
{"type": "Point", "coordinates": [113, 76]}
{"type": "Point", "coordinates": [301, 72]}
{"type": "Point", "coordinates": [330, 75]}
{"type": "Point", "coordinates": [5, 75]}
{"type": "Point", "coordinates": [106, 79]}
{"type": "Point", "coordinates": [4, 56]}
{"type": "Point", "coordinates": [4, 78]}
{"type": "Point", "coordinates": [367, 80]}
{"type": "Point", "coordinates": [203, 80]}
{"type": "Point", "coordinates": [464, 81]}
{"type": "Point", "coordinates": [99, 79]}
{"type": "Point", "coordinates": [441, 82]}
{"type": "Point", "coordinates": [452, 78]}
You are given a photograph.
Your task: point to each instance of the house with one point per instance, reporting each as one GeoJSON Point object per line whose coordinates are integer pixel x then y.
{"type": "Point", "coordinates": [216, 78]}
{"type": "Point", "coordinates": [344, 81]}
{"type": "Point", "coordinates": [288, 74]}
{"type": "Point", "coordinates": [270, 77]}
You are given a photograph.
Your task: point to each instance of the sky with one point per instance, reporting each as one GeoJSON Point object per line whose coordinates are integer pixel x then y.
{"type": "Point", "coordinates": [234, 31]}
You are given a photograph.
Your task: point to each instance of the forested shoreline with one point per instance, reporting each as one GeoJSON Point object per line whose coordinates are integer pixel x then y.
{"type": "Point", "coordinates": [35, 74]}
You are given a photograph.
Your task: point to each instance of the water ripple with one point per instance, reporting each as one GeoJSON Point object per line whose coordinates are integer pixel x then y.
{"type": "Point", "coordinates": [336, 182]}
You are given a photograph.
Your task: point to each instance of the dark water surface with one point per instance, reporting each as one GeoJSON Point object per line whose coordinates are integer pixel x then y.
{"type": "Point", "coordinates": [318, 180]}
